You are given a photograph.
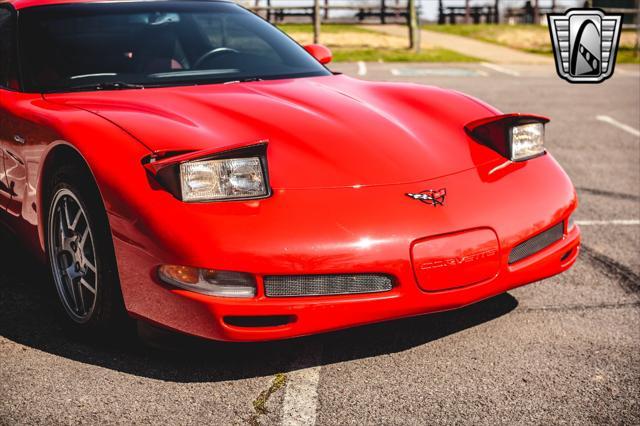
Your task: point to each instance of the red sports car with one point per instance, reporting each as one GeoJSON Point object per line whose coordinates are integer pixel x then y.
{"type": "Point", "coordinates": [187, 164]}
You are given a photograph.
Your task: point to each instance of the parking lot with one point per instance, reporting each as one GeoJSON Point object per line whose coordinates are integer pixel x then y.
{"type": "Point", "coordinates": [565, 350]}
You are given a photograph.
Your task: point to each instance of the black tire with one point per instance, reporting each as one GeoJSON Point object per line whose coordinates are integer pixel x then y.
{"type": "Point", "coordinates": [107, 313]}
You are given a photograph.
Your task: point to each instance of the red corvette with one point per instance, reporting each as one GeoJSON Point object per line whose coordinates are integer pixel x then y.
{"type": "Point", "coordinates": [187, 164]}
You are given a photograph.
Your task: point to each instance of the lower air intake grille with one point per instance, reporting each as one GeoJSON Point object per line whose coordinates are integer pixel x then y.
{"type": "Point", "coordinates": [535, 244]}
{"type": "Point", "coordinates": [325, 285]}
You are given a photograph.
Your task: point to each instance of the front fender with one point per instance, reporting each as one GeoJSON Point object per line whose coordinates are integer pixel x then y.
{"type": "Point", "coordinates": [111, 155]}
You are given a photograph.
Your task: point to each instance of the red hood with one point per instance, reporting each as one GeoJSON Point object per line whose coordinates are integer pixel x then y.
{"type": "Point", "coordinates": [322, 132]}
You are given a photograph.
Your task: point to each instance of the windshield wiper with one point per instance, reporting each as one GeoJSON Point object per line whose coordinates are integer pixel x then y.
{"type": "Point", "coordinates": [113, 85]}
{"type": "Point", "coordinates": [107, 85]}
{"type": "Point", "coordinates": [244, 80]}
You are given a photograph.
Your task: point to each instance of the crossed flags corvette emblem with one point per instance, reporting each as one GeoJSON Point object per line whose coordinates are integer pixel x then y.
{"type": "Point", "coordinates": [585, 43]}
{"type": "Point", "coordinates": [434, 197]}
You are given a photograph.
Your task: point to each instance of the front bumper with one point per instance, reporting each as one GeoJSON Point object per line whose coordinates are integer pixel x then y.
{"type": "Point", "coordinates": [339, 231]}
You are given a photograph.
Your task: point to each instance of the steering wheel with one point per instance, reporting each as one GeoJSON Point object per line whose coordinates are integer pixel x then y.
{"type": "Point", "coordinates": [215, 52]}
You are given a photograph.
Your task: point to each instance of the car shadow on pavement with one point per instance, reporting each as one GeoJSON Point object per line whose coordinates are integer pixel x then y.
{"type": "Point", "coordinates": [29, 316]}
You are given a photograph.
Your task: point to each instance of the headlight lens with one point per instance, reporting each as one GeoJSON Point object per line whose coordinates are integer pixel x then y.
{"type": "Point", "coordinates": [224, 179]}
{"type": "Point", "coordinates": [208, 281]}
{"type": "Point", "coordinates": [517, 137]}
{"type": "Point", "coordinates": [527, 141]}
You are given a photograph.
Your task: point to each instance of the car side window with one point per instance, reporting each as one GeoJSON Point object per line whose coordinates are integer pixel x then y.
{"type": "Point", "coordinates": [8, 76]}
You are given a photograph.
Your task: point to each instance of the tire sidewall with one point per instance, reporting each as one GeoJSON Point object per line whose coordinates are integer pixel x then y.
{"type": "Point", "coordinates": [108, 307]}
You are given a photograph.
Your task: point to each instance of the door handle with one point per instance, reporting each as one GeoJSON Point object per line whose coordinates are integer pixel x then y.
{"type": "Point", "coordinates": [19, 139]}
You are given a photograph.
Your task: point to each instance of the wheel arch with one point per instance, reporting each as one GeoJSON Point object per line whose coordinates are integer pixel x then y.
{"type": "Point", "coordinates": [59, 153]}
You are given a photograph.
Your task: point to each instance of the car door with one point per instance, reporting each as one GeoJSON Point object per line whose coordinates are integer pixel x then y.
{"type": "Point", "coordinates": [25, 132]}
{"type": "Point", "coordinates": [6, 32]}
{"type": "Point", "coordinates": [8, 82]}
{"type": "Point", "coordinates": [22, 139]}
{"type": "Point", "coordinates": [13, 136]}
{"type": "Point", "coordinates": [5, 195]}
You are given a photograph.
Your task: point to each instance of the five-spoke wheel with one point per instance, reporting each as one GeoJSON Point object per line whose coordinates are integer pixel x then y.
{"type": "Point", "coordinates": [72, 255]}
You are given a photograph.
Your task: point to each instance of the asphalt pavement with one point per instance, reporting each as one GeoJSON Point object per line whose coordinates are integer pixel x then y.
{"type": "Point", "coordinates": [564, 350]}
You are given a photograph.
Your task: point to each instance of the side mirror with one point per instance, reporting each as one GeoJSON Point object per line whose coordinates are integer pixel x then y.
{"type": "Point", "coordinates": [320, 52]}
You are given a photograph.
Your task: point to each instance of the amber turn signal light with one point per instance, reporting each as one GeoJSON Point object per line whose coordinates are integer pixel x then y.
{"type": "Point", "coordinates": [209, 281]}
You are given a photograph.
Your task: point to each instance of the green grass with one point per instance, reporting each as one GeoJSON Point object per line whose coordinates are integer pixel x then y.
{"type": "Point", "coordinates": [326, 28]}
{"type": "Point", "coordinates": [400, 55]}
{"type": "Point", "coordinates": [472, 30]}
{"type": "Point", "coordinates": [533, 39]}
{"type": "Point", "coordinates": [367, 54]}
{"type": "Point", "coordinates": [536, 37]}
{"type": "Point", "coordinates": [538, 42]}
{"type": "Point", "coordinates": [260, 403]}
{"type": "Point", "coordinates": [627, 56]}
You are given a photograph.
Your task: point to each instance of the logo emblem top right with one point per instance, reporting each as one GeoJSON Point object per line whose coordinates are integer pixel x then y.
{"type": "Point", "coordinates": [585, 43]}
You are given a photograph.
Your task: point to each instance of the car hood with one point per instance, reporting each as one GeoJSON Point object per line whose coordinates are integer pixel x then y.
{"type": "Point", "coordinates": [322, 132]}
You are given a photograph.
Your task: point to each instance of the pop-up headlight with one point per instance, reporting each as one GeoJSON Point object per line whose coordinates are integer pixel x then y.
{"type": "Point", "coordinates": [527, 141]}
{"type": "Point", "coordinates": [227, 179]}
{"type": "Point", "coordinates": [236, 174]}
{"type": "Point", "coordinates": [517, 137]}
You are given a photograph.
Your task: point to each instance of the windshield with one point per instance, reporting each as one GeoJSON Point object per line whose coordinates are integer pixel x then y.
{"type": "Point", "coordinates": [149, 44]}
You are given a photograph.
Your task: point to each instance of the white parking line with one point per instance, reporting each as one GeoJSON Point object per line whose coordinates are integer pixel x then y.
{"type": "Point", "coordinates": [498, 68]}
{"type": "Point", "coordinates": [301, 392]}
{"type": "Point", "coordinates": [437, 72]}
{"type": "Point", "coordinates": [299, 407]}
{"type": "Point", "coordinates": [608, 222]}
{"type": "Point", "coordinates": [362, 68]}
{"type": "Point", "coordinates": [619, 125]}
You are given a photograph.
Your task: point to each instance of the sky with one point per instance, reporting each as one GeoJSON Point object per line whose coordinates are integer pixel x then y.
{"type": "Point", "coordinates": [429, 7]}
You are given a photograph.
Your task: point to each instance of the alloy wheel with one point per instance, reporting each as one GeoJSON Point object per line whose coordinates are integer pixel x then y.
{"type": "Point", "coordinates": [72, 256]}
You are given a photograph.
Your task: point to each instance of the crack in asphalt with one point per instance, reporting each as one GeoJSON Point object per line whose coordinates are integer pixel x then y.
{"type": "Point", "coordinates": [260, 403]}
{"type": "Point", "coordinates": [627, 278]}
{"type": "Point", "coordinates": [610, 194]}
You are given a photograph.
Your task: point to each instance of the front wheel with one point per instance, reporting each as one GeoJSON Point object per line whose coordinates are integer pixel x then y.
{"type": "Point", "coordinates": [80, 252]}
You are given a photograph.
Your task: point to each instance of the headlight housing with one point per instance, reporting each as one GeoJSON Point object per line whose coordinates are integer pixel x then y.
{"type": "Point", "coordinates": [517, 137]}
{"type": "Point", "coordinates": [226, 179]}
{"type": "Point", "coordinates": [236, 174]}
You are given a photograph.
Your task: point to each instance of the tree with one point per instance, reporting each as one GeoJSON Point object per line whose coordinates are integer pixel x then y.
{"type": "Point", "coordinates": [414, 28]}
{"type": "Point", "coordinates": [467, 12]}
{"type": "Point", "coordinates": [316, 21]}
